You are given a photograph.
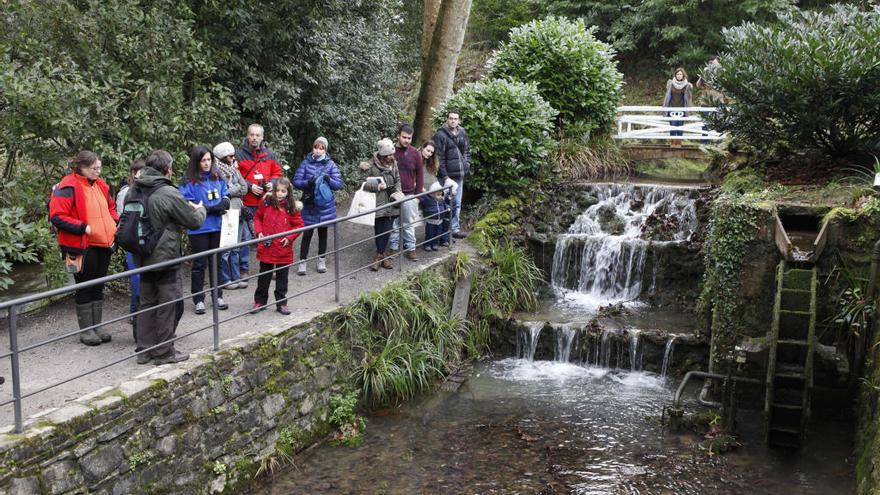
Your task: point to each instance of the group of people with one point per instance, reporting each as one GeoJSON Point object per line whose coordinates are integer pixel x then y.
{"type": "Point", "coordinates": [679, 94]}
{"type": "Point", "coordinates": [251, 181]}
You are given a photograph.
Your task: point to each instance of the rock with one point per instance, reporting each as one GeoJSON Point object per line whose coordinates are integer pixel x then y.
{"type": "Point", "coordinates": [306, 406]}
{"type": "Point", "coordinates": [24, 486]}
{"type": "Point", "coordinates": [62, 477]}
{"type": "Point", "coordinates": [610, 221]}
{"type": "Point", "coordinates": [98, 464]}
{"type": "Point", "coordinates": [273, 405]}
{"type": "Point", "coordinates": [167, 445]}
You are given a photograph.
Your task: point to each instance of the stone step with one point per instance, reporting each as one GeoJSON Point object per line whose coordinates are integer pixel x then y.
{"type": "Point", "coordinates": [787, 414]}
{"type": "Point", "coordinates": [789, 351]}
{"type": "Point", "coordinates": [795, 300]}
{"type": "Point", "coordinates": [797, 279]}
{"type": "Point", "coordinates": [784, 437]}
{"type": "Point", "coordinates": [794, 325]}
{"type": "Point", "coordinates": [789, 396]}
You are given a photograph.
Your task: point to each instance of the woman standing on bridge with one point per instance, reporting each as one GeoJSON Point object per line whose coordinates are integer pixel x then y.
{"type": "Point", "coordinates": [84, 213]}
{"type": "Point", "coordinates": [678, 94]}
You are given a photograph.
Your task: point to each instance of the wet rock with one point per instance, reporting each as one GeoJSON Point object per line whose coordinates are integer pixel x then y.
{"type": "Point", "coordinates": [100, 463]}
{"type": "Point", "coordinates": [610, 222]}
{"type": "Point", "coordinates": [62, 477]}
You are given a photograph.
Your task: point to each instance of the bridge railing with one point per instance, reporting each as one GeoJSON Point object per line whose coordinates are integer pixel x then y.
{"type": "Point", "coordinates": [664, 123]}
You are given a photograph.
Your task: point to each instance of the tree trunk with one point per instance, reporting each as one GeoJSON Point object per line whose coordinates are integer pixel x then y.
{"type": "Point", "coordinates": [429, 20]}
{"type": "Point", "coordinates": [438, 69]}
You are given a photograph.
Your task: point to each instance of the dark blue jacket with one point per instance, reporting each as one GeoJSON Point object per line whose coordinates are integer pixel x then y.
{"type": "Point", "coordinates": [308, 169]}
{"type": "Point", "coordinates": [453, 153]}
{"type": "Point", "coordinates": [213, 195]}
{"type": "Point", "coordinates": [433, 208]}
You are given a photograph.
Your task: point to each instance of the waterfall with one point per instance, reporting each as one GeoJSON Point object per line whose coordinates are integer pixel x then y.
{"type": "Point", "coordinates": [604, 358]}
{"type": "Point", "coordinates": [565, 337]}
{"type": "Point", "coordinates": [527, 342]}
{"type": "Point", "coordinates": [634, 350]}
{"type": "Point", "coordinates": [603, 254]}
{"type": "Point", "coordinates": [667, 356]}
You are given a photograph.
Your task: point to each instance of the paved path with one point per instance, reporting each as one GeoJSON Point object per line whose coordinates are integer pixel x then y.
{"type": "Point", "coordinates": [67, 358]}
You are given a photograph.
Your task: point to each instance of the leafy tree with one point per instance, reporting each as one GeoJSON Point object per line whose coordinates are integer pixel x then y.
{"type": "Point", "coordinates": [119, 77]}
{"type": "Point", "coordinates": [574, 72]}
{"type": "Point", "coordinates": [508, 125]}
{"type": "Point", "coordinates": [807, 82]}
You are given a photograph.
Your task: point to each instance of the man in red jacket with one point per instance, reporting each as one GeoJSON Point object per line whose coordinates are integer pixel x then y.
{"type": "Point", "coordinates": [258, 166]}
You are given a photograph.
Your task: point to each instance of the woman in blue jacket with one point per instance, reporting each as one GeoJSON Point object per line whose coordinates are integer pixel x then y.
{"type": "Point", "coordinates": [202, 184]}
{"type": "Point", "coordinates": [317, 166]}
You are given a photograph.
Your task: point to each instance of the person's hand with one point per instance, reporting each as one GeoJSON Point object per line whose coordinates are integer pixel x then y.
{"type": "Point", "coordinates": [382, 186]}
{"type": "Point", "coordinates": [88, 229]}
{"type": "Point", "coordinates": [195, 206]}
{"type": "Point", "coordinates": [257, 190]}
{"type": "Point", "coordinates": [285, 242]}
{"type": "Point", "coordinates": [312, 181]}
{"type": "Point", "coordinates": [259, 235]}
{"type": "Point", "coordinates": [269, 186]}
{"type": "Point", "coordinates": [298, 205]}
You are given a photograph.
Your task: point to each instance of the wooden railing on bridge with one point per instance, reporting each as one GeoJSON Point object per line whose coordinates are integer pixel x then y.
{"type": "Point", "coordinates": [646, 122]}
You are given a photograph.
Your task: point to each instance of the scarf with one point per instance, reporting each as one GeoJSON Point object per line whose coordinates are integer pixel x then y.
{"type": "Point", "coordinates": [679, 85]}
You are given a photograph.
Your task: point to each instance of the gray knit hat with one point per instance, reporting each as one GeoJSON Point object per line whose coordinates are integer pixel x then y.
{"type": "Point", "coordinates": [223, 150]}
{"type": "Point", "coordinates": [322, 140]}
{"type": "Point", "coordinates": [385, 147]}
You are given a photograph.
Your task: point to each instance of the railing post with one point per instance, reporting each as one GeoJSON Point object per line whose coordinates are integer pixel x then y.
{"type": "Point", "coordinates": [448, 231]}
{"type": "Point", "coordinates": [336, 261]}
{"type": "Point", "coordinates": [400, 248]}
{"type": "Point", "coordinates": [16, 372]}
{"type": "Point", "coordinates": [215, 282]}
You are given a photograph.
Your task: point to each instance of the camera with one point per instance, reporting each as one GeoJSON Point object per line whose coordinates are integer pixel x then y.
{"type": "Point", "coordinates": [267, 243]}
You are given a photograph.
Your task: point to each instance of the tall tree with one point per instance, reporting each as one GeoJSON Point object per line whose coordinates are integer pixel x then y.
{"type": "Point", "coordinates": [438, 68]}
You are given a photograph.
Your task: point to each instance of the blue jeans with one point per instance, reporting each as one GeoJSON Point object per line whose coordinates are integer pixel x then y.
{"type": "Point", "coordinates": [230, 261]}
{"type": "Point", "coordinates": [244, 255]}
{"type": "Point", "coordinates": [134, 282]}
{"type": "Point", "coordinates": [408, 212]}
{"type": "Point", "coordinates": [456, 205]}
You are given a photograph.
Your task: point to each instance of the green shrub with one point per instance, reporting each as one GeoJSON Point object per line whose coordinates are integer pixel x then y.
{"type": "Point", "coordinates": [508, 124]}
{"type": "Point", "coordinates": [15, 242]}
{"type": "Point", "coordinates": [574, 72]}
{"type": "Point", "coordinates": [808, 82]}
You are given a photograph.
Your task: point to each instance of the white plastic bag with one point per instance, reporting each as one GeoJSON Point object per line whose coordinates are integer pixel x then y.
{"type": "Point", "coordinates": [363, 201]}
{"type": "Point", "coordinates": [229, 227]}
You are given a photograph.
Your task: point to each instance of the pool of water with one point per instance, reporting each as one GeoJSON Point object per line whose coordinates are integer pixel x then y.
{"type": "Point", "coordinates": [518, 426]}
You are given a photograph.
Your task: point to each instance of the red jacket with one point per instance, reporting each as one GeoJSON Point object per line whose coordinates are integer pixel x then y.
{"type": "Point", "coordinates": [253, 163]}
{"type": "Point", "coordinates": [270, 220]}
{"type": "Point", "coordinates": [67, 212]}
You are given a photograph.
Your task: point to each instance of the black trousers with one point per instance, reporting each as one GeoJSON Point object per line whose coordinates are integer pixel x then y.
{"type": "Point", "coordinates": [261, 295]}
{"type": "Point", "coordinates": [95, 263]}
{"type": "Point", "coordinates": [200, 243]}
{"type": "Point", "coordinates": [382, 230]}
{"type": "Point", "coordinates": [158, 325]}
{"type": "Point", "coordinates": [307, 239]}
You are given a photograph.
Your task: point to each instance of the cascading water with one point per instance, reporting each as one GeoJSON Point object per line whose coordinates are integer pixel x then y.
{"type": "Point", "coordinates": [604, 252]}
{"type": "Point", "coordinates": [634, 350]}
{"type": "Point", "coordinates": [565, 337]}
{"type": "Point", "coordinates": [527, 341]}
{"type": "Point", "coordinates": [667, 356]}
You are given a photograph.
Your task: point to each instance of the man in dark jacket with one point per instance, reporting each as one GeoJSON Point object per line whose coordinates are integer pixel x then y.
{"type": "Point", "coordinates": [258, 166]}
{"type": "Point", "coordinates": [454, 155]}
{"type": "Point", "coordinates": [170, 213]}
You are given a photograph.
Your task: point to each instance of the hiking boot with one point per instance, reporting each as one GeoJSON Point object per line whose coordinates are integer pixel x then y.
{"type": "Point", "coordinates": [460, 234]}
{"type": "Point", "coordinates": [387, 263]}
{"type": "Point", "coordinates": [242, 284]}
{"type": "Point", "coordinates": [301, 269]}
{"type": "Point", "coordinates": [144, 358]}
{"type": "Point", "coordinates": [98, 317]}
{"type": "Point", "coordinates": [84, 318]}
{"type": "Point", "coordinates": [231, 286]}
{"type": "Point", "coordinates": [411, 255]}
{"type": "Point", "coordinates": [200, 308]}
{"type": "Point", "coordinates": [257, 307]}
{"type": "Point", "coordinates": [444, 244]}
{"type": "Point", "coordinates": [377, 259]}
{"type": "Point", "coordinates": [322, 265]}
{"type": "Point", "coordinates": [283, 309]}
{"type": "Point", "coordinates": [221, 304]}
{"type": "Point", "coordinates": [174, 357]}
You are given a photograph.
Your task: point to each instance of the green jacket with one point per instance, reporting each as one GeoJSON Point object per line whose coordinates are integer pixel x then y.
{"type": "Point", "coordinates": [392, 180]}
{"type": "Point", "coordinates": [169, 211]}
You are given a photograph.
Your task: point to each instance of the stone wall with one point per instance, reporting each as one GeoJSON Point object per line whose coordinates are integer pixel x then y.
{"type": "Point", "coordinates": [206, 425]}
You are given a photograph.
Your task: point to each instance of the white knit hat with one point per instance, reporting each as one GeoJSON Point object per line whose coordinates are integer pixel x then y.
{"type": "Point", "coordinates": [223, 150]}
{"type": "Point", "coordinates": [435, 186]}
{"type": "Point", "coordinates": [322, 140]}
{"type": "Point", "coordinates": [385, 147]}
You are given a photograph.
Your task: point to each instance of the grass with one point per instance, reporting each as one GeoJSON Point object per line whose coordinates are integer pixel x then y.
{"type": "Point", "coordinates": [576, 160]}
{"type": "Point", "coordinates": [673, 168]}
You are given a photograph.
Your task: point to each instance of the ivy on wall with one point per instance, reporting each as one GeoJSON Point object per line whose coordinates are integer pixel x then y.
{"type": "Point", "coordinates": [732, 225]}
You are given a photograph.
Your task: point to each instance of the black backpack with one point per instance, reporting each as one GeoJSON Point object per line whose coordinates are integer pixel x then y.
{"type": "Point", "coordinates": [135, 232]}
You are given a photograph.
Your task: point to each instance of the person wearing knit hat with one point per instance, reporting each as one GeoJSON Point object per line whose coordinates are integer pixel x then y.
{"type": "Point", "coordinates": [388, 190]}
{"type": "Point", "coordinates": [237, 187]}
{"type": "Point", "coordinates": [317, 166]}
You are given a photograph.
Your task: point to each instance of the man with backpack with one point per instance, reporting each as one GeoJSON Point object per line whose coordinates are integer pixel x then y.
{"type": "Point", "coordinates": [150, 228]}
{"type": "Point", "coordinates": [258, 166]}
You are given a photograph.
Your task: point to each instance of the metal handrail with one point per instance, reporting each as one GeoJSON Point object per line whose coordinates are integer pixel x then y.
{"type": "Point", "coordinates": [12, 306]}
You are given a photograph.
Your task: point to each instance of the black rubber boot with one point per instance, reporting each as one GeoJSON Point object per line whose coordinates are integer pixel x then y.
{"type": "Point", "coordinates": [84, 318]}
{"type": "Point", "coordinates": [98, 317]}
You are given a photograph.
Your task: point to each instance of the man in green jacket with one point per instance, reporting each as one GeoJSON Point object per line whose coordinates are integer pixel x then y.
{"type": "Point", "coordinates": [169, 212]}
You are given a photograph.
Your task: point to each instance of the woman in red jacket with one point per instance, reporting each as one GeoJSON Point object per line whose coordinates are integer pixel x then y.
{"type": "Point", "coordinates": [276, 213]}
{"type": "Point", "coordinates": [84, 213]}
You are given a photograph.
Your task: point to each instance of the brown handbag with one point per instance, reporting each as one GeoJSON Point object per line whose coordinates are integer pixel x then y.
{"type": "Point", "coordinates": [73, 263]}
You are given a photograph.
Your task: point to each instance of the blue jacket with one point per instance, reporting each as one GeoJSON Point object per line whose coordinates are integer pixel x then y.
{"type": "Point", "coordinates": [213, 194]}
{"type": "Point", "coordinates": [434, 209]}
{"type": "Point", "coordinates": [308, 169]}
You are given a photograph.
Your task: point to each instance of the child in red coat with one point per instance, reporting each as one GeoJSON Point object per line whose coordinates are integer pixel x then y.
{"type": "Point", "coordinates": [276, 213]}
